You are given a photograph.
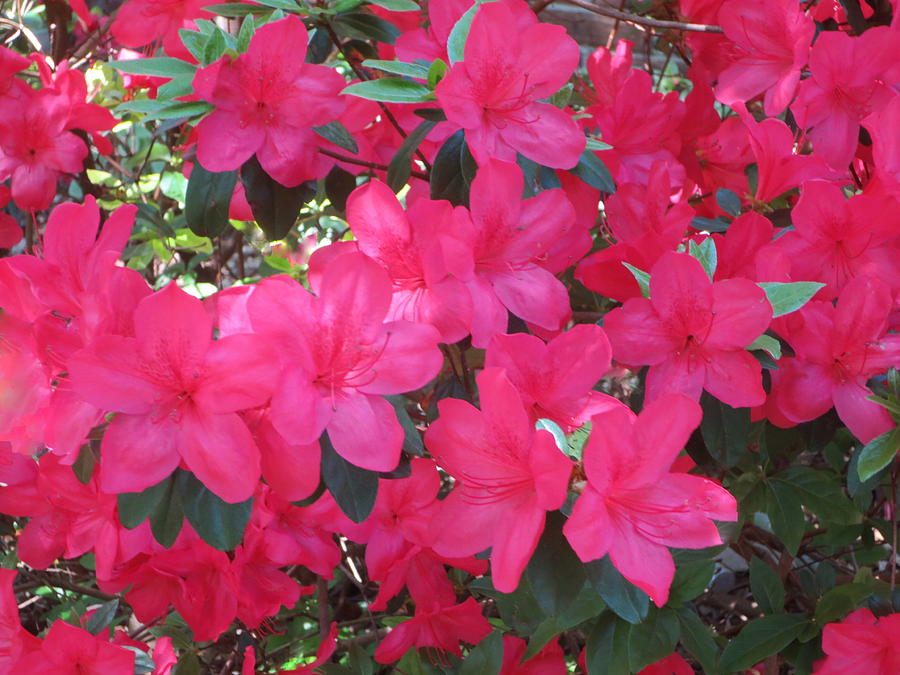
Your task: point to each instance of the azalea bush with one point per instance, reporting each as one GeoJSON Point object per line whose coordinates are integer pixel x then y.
{"type": "Point", "coordinates": [378, 336]}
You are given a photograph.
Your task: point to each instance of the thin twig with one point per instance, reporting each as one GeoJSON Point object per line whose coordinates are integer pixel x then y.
{"type": "Point", "coordinates": [370, 165]}
{"type": "Point", "coordinates": [643, 20]}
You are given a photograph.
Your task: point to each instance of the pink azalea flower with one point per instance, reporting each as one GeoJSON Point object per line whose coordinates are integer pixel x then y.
{"type": "Point", "coordinates": [140, 22]}
{"type": "Point", "coordinates": [771, 41]}
{"type": "Point", "coordinates": [267, 105]}
{"type": "Point", "coordinates": [549, 661]}
{"type": "Point", "coordinates": [556, 379]}
{"type": "Point", "coordinates": [847, 83]}
{"type": "Point", "coordinates": [837, 350]}
{"type": "Point", "coordinates": [511, 61]}
{"type": "Point", "coordinates": [67, 650]}
{"type": "Point", "coordinates": [692, 333]}
{"type": "Point", "coordinates": [416, 246]}
{"type": "Point", "coordinates": [508, 475]}
{"type": "Point", "coordinates": [633, 507]}
{"type": "Point", "coordinates": [179, 392]}
{"type": "Point", "coordinates": [340, 358]}
{"type": "Point", "coordinates": [509, 238]}
{"type": "Point", "coordinates": [861, 644]}
{"type": "Point", "coordinates": [439, 627]}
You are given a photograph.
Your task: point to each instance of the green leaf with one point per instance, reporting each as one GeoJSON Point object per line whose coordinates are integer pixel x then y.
{"type": "Point", "coordinates": [102, 617]}
{"type": "Point", "coordinates": [725, 430]}
{"type": "Point", "coordinates": [729, 202]}
{"type": "Point", "coordinates": [194, 41]}
{"type": "Point", "coordinates": [706, 254]}
{"type": "Point", "coordinates": [710, 224]}
{"type": "Point", "coordinates": [338, 134]}
{"type": "Point", "coordinates": [412, 439]}
{"type": "Point", "coordinates": [353, 489]}
{"type": "Point", "coordinates": [789, 297]}
{"type": "Point", "coordinates": [158, 66]}
{"type": "Point", "coordinates": [286, 5]}
{"type": "Point", "coordinates": [841, 600]}
{"type": "Point", "coordinates": [219, 524]}
{"type": "Point", "coordinates": [691, 579]}
{"type": "Point", "coordinates": [653, 639]}
{"type": "Point", "coordinates": [559, 436]}
{"type": "Point", "coordinates": [236, 10]}
{"type": "Point", "coordinates": [641, 277]}
{"type": "Point", "coordinates": [275, 207]}
{"type": "Point", "coordinates": [452, 171]}
{"type": "Point", "coordinates": [207, 200]}
{"type": "Point", "coordinates": [136, 507]}
{"type": "Point", "coordinates": [698, 640]}
{"type": "Point", "coordinates": [183, 85]}
{"type": "Point", "coordinates": [390, 90]}
{"type": "Point", "coordinates": [767, 344]}
{"type": "Point", "coordinates": [878, 453]}
{"type": "Point", "coordinates": [593, 171]}
{"type": "Point", "coordinates": [398, 68]}
{"type": "Point", "coordinates": [400, 167]}
{"type": "Point", "coordinates": [436, 73]}
{"type": "Point", "coordinates": [456, 41]}
{"type": "Point", "coordinates": [397, 5]}
{"type": "Point", "coordinates": [164, 110]}
{"type": "Point", "coordinates": [142, 661]}
{"type": "Point", "coordinates": [606, 650]}
{"type": "Point", "coordinates": [189, 664]}
{"type": "Point", "coordinates": [83, 468]}
{"type": "Point", "coordinates": [562, 97]}
{"type": "Point", "coordinates": [486, 658]}
{"type": "Point", "coordinates": [623, 598]}
{"type": "Point", "coordinates": [338, 186]}
{"type": "Point", "coordinates": [786, 515]}
{"type": "Point", "coordinates": [555, 573]}
{"type": "Point", "coordinates": [822, 493]}
{"type": "Point", "coordinates": [366, 26]}
{"type": "Point", "coordinates": [767, 588]}
{"type": "Point", "coordinates": [576, 441]}
{"type": "Point", "coordinates": [168, 516]}
{"type": "Point", "coordinates": [214, 47]}
{"type": "Point", "coordinates": [761, 638]}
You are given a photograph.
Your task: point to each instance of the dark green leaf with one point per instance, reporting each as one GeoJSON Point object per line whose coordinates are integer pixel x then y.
{"type": "Point", "coordinates": [353, 489]}
{"type": "Point", "coordinates": [400, 168]}
{"type": "Point", "coordinates": [691, 579]}
{"type": "Point", "coordinates": [397, 5]}
{"type": "Point", "coordinates": [83, 468]}
{"type": "Point", "coordinates": [767, 589]}
{"type": "Point", "coordinates": [433, 114]}
{"type": "Point", "coordinates": [453, 170]}
{"type": "Point", "coordinates": [587, 605]}
{"type": "Point", "coordinates": [275, 207]}
{"type": "Point", "coordinates": [761, 638]}
{"type": "Point", "coordinates": [555, 573]}
{"type": "Point", "coordinates": [338, 186]}
{"type": "Point", "coordinates": [710, 224]}
{"type": "Point", "coordinates": [136, 507]}
{"type": "Point", "coordinates": [624, 598]}
{"type": "Point", "coordinates": [822, 493]}
{"type": "Point", "coordinates": [412, 439]}
{"type": "Point", "coordinates": [653, 639]}
{"type": "Point", "coordinates": [398, 68]}
{"type": "Point", "coordinates": [366, 26]}
{"type": "Point", "coordinates": [207, 200]}
{"type": "Point", "coordinates": [698, 641]}
{"type": "Point", "coordinates": [593, 171]}
{"type": "Point", "coordinates": [606, 650]}
{"type": "Point", "coordinates": [729, 202]}
{"type": "Point", "coordinates": [789, 297]}
{"type": "Point", "coordinates": [725, 430]}
{"type": "Point", "coordinates": [390, 90]}
{"type": "Point", "coordinates": [158, 66]}
{"type": "Point", "coordinates": [486, 658]}
{"type": "Point", "coordinates": [188, 664]}
{"type": "Point", "coordinates": [878, 453]}
{"type": "Point", "coordinates": [102, 617]}
{"type": "Point", "coordinates": [168, 516]}
{"type": "Point", "coordinates": [219, 524]}
{"type": "Point", "coordinates": [338, 134]}
{"type": "Point", "coordinates": [786, 515]}
{"type": "Point", "coordinates": [236, 9]}
{"type": "Point", "coordinates": [841, 600]}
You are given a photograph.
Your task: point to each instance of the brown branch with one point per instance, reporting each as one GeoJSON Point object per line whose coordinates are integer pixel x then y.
{"type": "Point", "coordinates": [636, 20]}
{"type": "Point", "coordinates": [370, 165]}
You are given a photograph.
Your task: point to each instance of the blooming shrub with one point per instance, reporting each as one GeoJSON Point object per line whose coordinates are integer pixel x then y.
{"type": "Point", "coordinates": [384, 336]}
